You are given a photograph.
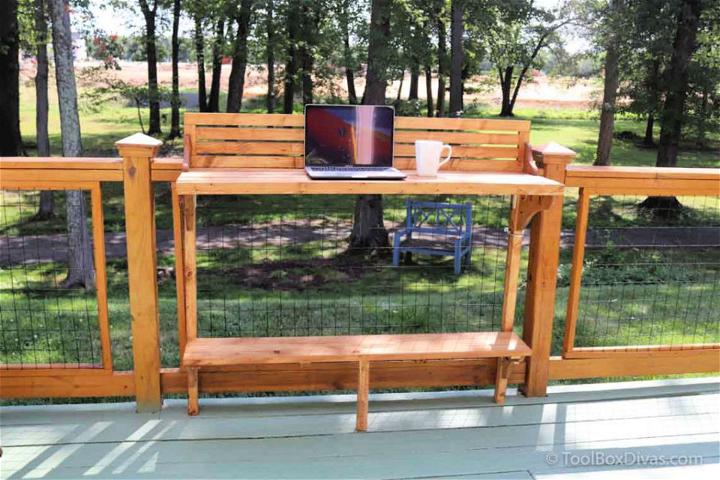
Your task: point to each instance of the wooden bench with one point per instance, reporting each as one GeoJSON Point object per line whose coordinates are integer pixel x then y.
{"type": "Point", "coordinates": [258, 154]}
{"type": "Point", "coordinates": [507, 347]}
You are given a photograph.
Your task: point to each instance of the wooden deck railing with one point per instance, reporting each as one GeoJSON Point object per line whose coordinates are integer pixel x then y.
{"type": "Point", "coordinates": [148, 381]}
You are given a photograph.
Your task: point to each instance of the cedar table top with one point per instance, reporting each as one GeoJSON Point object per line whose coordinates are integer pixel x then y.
{"type": "Point", "coordinates": [205, 352]}
{"type": "Point", "coordinates": [294, 181]}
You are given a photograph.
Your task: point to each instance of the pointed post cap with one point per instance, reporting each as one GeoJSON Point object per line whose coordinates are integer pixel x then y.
{"type": "Point", "coordinates": [554, 153]}
{"type": "Point", "coordinates": [138, 144]}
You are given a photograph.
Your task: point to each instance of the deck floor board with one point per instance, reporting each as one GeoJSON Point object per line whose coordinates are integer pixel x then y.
{"type": "Point", "coordinates": [422, 435]}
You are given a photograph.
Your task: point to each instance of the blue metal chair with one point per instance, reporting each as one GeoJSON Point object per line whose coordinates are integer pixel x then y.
{"type": "Point", "coordinates": [433, 228]}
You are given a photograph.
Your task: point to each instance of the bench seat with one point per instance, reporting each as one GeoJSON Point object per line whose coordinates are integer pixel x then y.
{"type": "Point", "coordinates": [507, 347]}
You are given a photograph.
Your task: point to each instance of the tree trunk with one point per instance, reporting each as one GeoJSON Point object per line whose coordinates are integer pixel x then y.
{"type": "Point", "coordinates": [217, 56]}
{"type": "Point", "coordinates": [10, 139]}
{"type": "Point", "coordinates": [368, 233]}
{"type": "Point", "coordinates": [270, 56]}
{"type": "Point", "coordinates": [347, 54]}
{"type": "Point", "coordinates": [239, 64]}
{"type": "Point", "coordinates": [506, 109]}
{"type": "Point", "coordinates": [46, 208]}
{"type": "Point", "coordinates": [291, 66]}
{"type": "Point", "coordinates": [607, 112]}
{"type": "Point", "coordinates": [377, 63]}
{"type": "Point", "coordinates": [399, 92]}
{"type": "Point", "coordinates": [150, 16]}
{"type": "Point", "coordinates": [80, 261]}
{"type": "Point", "coordinates": [676, 81]}
{"type": "Point", "coordinates": [309, 29]}
{"type": "Point", "coordinates": [429, 91]}
{"type": "Point", "coordinates": [200, 59]}
{"type": "Point", "coordinates": [414, 79]}
{"type": "Point", "coordinates": [649, 141]}
{"type": "Point", "coordinates": [457, 31]}
{"type": "Point", "coordinates": [442, 65]}
{"type": "Point", "coordinates": [175, 98]}
{"type": "Point", "coordinates": [701, 140]}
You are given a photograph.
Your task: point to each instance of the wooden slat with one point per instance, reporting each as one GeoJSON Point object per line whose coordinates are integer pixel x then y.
{"type": "Point", "coordinates": [585, 171]}
{"type": "Point", "coordinates": [59, 175]}
{"type": "Point", "coordinates": [49, 369]}
{"type": "Point", "coordinates": [99, 383]}
{"type": "Point", "coordinates": [408, 150]}
{"type": "Point", "coordinates": [340, 376]}
{"type": "Point", "coordinates": [43, 185]}
{"type": "Point", "coordinates": [691, 361]}
{"type": "Point", "coordinates": [642, 186]}
{"type": "Point", "coordinates": [259, 161]}
{"type": "Point", "coordinates": [249, 148]}
{"type": "Point", "coordinates": [573, 304]}
{"type": "Point", "coordinates": [251, 134]}
{"type": "Point", "coordinates": [98, 227]}
{"type": "Point", "coordinates": [641, 351]}
{"type": "Point", "coordinates": [464, 165]}
{"type": "Point", "coordinates": [62, 163]}
{"type": "Point", "coordinates": [457, 138]}
{"type": "Point", "coordinates": [249, 181]}
{"type": "Point", "coordinates": [424, 123]}
{"type": "Point", "coordinates": [246, 119]}
{"type": "Point", "coordinates": [208, 352]}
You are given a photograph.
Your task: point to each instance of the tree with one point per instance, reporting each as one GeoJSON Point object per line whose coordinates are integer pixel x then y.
{"type": "Point", "coordinates": [46, 209]}
{"type": "Point", "coordinates": [441, 57]}
{"type": "Point", "coordinates": [175, 95]}
{"type": "Point", "coordinates": [368, 233]}
{"type": "Point", "coordinates": [515, 36]}
{"type": "Point", "coordinates": [350, 24]}
{"type": "Point", "coordinates": [149, 12]}
{"type": "Point", "coordinates": [457, 30]}
{"type": "Point", "coordinates": [81, 271]}
{"type": "Point", "coordinates": [10, 139]}
{"type": "Point", "coordinates": [676, 82]}
{"type": "Point", "coordinates": [270, 54]}
{"type": "Point", "coordinates": [611, 83]}
{"type": "Point", "coordinates": [218, 48]}
{"type": "Point", "coordinates": [291, 65]}
{"type": "Point", "coordinates": [236, 84]}
{"type": "Point", "coordinates": [198, 16]}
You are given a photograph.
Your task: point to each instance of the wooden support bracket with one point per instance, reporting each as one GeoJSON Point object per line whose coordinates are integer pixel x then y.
{"type": "Point", "coordinates": [363, 393]}
{"type": "Point", "coordinates": [525, 207]}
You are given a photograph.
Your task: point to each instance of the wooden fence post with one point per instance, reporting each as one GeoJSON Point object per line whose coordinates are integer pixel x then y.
{"type": "Point", "coordinates": [542, 273]}
{"type": "Point", "coordinates": [138, 151]}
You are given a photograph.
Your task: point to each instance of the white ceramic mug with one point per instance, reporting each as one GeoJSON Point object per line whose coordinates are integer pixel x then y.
{"type": "Point", "coordinates": [427, 157]}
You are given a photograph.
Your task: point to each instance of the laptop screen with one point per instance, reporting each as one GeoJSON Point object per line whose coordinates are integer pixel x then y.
{"type": "Point", "coordinates": [337, 135]}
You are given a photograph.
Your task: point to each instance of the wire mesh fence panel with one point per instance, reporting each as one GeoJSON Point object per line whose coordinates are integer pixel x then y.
{"type": "Point", "coordinates": [651, 272]}
{"type": "Point", "coordinates": [294, 266]}
{"type": "Point", "coordinates": [46, 318]}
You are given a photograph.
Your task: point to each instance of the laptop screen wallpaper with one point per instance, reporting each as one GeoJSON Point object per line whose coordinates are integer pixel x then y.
{"type": "Point", "coordinates": [348, 135]}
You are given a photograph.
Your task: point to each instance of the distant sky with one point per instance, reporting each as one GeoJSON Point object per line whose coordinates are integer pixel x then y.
{"type": "Point", "coordinates": [122, 22]}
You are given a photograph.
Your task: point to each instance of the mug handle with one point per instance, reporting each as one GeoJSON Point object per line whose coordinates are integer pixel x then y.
{"type": "Point", "coordinates": [449, 155]}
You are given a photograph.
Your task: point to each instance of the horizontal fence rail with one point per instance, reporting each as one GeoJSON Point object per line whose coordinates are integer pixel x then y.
{"type": "Point", "coordinates": [637, 287]}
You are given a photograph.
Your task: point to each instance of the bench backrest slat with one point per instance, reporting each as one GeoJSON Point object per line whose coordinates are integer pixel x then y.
{"type": "Point", "coordinates": [251, 140]}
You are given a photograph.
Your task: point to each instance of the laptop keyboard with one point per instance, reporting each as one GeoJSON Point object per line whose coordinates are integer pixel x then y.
{"type": "Point", "coordinates": [351, 169]}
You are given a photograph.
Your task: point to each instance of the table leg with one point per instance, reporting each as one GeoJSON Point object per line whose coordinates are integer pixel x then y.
{"type": "Point", "coordinates": [363, 391]}
{"type": "Point", "coordinates": [193, 403]}
{"type": "Point", "coordinates": [501, 379]}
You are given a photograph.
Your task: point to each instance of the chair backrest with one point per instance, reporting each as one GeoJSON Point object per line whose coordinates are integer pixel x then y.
{"type": "Point", "coordinates": [258, 140]}
{"type": "Point", "coordinates": [438, 218]}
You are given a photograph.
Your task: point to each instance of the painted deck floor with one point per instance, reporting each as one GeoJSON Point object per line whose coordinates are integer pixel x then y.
{"type": "Point", "coordinates": [666, 429]}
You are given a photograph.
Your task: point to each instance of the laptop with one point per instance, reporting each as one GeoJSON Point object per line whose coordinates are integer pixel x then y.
{"type": "Point", "coordinates": [350, 142]}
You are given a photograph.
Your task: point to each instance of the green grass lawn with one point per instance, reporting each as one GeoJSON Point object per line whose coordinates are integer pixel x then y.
{"type": "Point", "coordinates": [630, 296]}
